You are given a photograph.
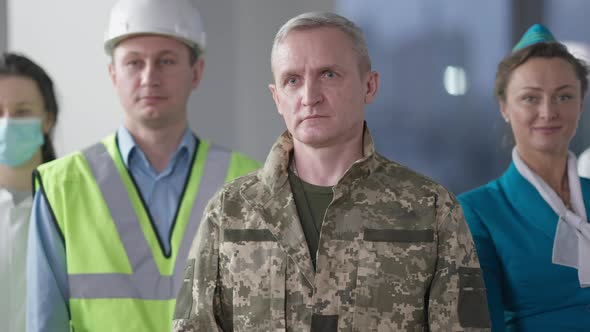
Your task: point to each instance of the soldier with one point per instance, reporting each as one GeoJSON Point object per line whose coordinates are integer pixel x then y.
{"type": "Point", "coordinates": [329, 235]}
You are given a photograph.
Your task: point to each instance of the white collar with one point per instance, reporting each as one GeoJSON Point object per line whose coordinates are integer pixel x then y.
{"type": "Point", "coordinates": [571, 245]}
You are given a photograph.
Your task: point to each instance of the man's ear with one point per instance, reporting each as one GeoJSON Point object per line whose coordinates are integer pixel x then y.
{"type": "Point", "coordinates": [275, 96]}
{"type": "Point", "coordinates": [197, 68]}
{"type": "Point", "coordinates": [112, 73]}
{"type": "Point", "coordinates": [372, 85]}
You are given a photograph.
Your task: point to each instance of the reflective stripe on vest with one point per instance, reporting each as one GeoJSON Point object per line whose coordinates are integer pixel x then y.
{"type": "Point", "coordinates": [146, 282]}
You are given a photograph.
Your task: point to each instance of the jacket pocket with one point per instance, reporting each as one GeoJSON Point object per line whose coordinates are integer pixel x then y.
{"type": "Point", "coordinates": [394, 271]}
{"type": "Point", "coordinates": [252, 267]}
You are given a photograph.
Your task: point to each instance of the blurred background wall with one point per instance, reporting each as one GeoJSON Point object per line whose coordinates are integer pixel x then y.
{"type": "Point", "coordinates": [232, 106]}
{"type": "Point", "coordinates": [435, 110]}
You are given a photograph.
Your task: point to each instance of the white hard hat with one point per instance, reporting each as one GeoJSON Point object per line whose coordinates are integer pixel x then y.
{"type": "Point", "coordinates": [174, 18]}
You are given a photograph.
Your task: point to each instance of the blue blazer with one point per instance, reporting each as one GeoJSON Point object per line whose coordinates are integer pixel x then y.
{"type": "Point", "coordinates": [513, 229]}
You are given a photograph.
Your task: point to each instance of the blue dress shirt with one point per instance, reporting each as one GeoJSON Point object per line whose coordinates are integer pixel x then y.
{"type": "Point", "coordinates": [47, 284]}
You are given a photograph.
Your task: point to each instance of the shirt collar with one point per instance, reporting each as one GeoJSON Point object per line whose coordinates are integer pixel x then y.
{"type": "Point", "coordinates": [127, 144]}
{"type": "Point", "coordinates": [274, 171]}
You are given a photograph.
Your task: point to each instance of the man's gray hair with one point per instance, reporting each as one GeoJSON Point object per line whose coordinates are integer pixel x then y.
{"type": "Point", "coordinates": [313, 20]}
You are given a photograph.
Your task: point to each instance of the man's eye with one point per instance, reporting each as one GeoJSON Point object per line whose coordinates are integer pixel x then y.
{"type": "Point", "coordinates": [167, 62]}
{"type": "Point", "coordinates": [329, 74]}
{"type": "Point", "coordinates": [565, 97]}
{"type": "Point", "coordinates": [292, 80]}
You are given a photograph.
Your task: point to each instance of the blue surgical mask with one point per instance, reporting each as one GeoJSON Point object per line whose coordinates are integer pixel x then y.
{"type": "Point", "coordinates": [20, 139]}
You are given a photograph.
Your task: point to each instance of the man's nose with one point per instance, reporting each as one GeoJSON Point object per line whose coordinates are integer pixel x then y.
{"type": "Point", "coordinates": [150, 75]}
{"type": "Point", "coordinates": [312, 93]}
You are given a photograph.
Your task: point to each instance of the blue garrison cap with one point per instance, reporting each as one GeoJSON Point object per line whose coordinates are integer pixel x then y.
{"type": "Point", "coordinates": [535, 34]}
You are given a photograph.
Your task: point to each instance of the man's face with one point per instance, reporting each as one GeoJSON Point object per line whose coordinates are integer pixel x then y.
{"type": "Point", "coordinates": [319, 89]}
{"type": "Point", "coordinates": [154, 79]}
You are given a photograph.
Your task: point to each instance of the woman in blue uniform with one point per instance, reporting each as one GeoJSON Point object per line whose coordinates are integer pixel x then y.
{"type": "Point", "coordinates": [530, 225]}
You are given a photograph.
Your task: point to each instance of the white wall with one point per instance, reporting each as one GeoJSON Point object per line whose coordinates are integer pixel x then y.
{"type": "Point", "coordinates": [232, 106]}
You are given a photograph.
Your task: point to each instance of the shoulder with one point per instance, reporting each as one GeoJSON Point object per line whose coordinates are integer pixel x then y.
{"type": "Point", "coordinates": [484, 206]}
{"type": "Point", "coordinates": [68, 168]}
{"type": "Point", "coordinates": [412, 194]}
{"type": "Point", "coordinates": [402, 179]}
{"type": "Point", "coordinates": [230, 193]}
{"type": "Point", "coordinates": [64, 165]}
{"type": "Point", "coordinates": [483, 195]}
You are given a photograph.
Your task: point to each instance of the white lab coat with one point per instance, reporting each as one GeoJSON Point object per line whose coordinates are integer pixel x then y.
{"type": "Point", "coordinates": [14, 225]}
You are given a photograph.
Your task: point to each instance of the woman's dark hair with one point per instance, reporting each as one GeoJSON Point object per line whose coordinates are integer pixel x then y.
{"type": "Point", "coordinates": [18, 65]}
{"type": "Point", "coordinates": [539, 50]}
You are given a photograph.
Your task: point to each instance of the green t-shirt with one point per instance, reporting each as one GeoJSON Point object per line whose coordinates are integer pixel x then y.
{"type": "Point", "coordinates": [312, 202]}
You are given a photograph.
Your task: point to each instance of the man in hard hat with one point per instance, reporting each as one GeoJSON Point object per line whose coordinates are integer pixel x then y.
{"type": "Point", "coordinates": [112, 224]}
{"type": "Point", "coordinates": [329, 235]}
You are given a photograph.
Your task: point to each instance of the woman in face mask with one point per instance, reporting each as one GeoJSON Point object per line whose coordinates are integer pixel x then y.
{"type": "Point", "coordinates": [28, 112]}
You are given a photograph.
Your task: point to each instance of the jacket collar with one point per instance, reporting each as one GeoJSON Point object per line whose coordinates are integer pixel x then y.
{"type": "Point", "coordinates": [274, 173]}
{"type": "Point", "coordinates": [273, 199]}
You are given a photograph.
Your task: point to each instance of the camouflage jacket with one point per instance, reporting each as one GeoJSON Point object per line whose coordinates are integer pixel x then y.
{"type": "Point", "coordinates": [395, 254]}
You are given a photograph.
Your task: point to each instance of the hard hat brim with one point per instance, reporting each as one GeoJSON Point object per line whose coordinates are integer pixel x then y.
{"type": "Point", "coordinates": [111, 44]}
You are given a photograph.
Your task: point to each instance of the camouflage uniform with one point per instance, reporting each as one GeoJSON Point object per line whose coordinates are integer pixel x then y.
{"type": "Point", "coordinates": [395, 254]}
